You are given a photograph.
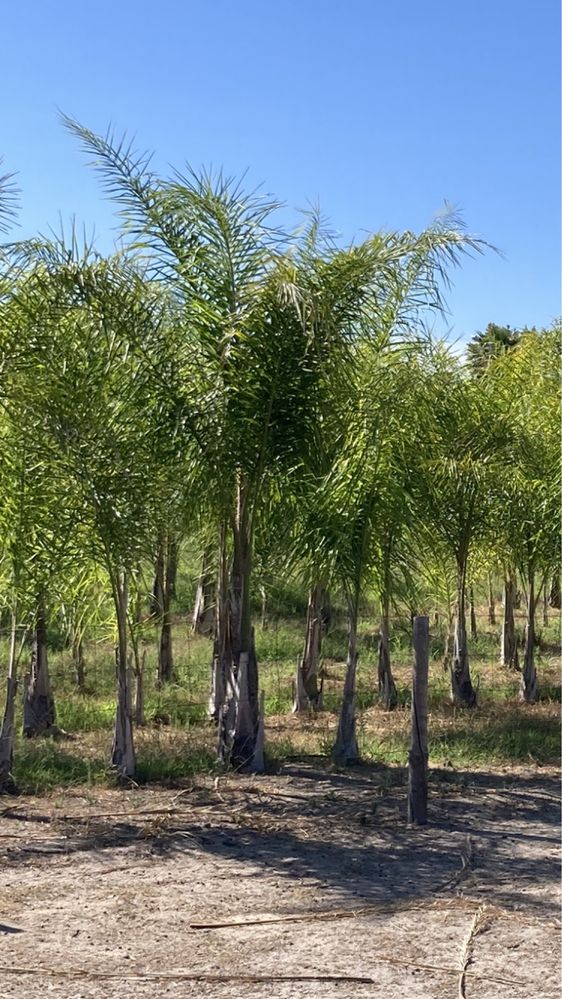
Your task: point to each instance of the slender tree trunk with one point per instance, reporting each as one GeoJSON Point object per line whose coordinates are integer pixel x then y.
{"type": "Point", "coordinates": [165, 656]}
{"type": "Point", "coordinates": [240, 713]}
{"type": "Point", "coordinates": [345, 749]}
{"type": "Point", "coordinates": [222, 653]}
{"type": "Point", "coordinates": [204, 611]}
{"type": "Point", "coordinates": [387, 688]}
{"type": "Point", "coordinates": [449, 640]}
{"type": "Point", "coordinates": [7, 732]}
{"type": "Point", "coordinates": [473, 623]}
{"type": "Point", "coordinates": [509, 655]}
{"type": "Point", "coordinates": [491, 601]}
{"type": "Point", "coordinates": [555, 594]}
{"type": "Point", "coordinates": [245, 664]}
{"type": "Point", "coordinates": [78, 660]}
{"type": "Point", "coordinates": [38, 705]}
{"type": "Point", "coordinates": [136, 661]}
{"type": "Point", "coordinates": [308, 691]}
{"type": "Point", "coordinates": [156, 598]}
{"type": "Point", "coordinates": [140, 719]}
{"type": "Point", "coordinates": [172, 568]}
{"type": "Point", "coordinates": [263, 615]}
{"type": "Point", "coordinates": [545, 609]}
{"type": "Point", "coordinates": [123, 751]}
{"type": "Point", "coordinates": [418, 756]}
{"type": "Point", "coordinates": [528, 689]}
{"type": "Point", "coordinates": [463, 692]}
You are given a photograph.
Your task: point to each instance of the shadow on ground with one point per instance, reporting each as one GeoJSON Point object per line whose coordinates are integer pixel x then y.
{"type": "Point", "coordinates": [491, 836]}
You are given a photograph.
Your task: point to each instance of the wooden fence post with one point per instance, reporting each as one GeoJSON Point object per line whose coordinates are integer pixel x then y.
{"type": "Point", "coordinates": [417, 760]}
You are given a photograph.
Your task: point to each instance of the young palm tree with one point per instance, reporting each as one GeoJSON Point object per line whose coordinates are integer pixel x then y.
{"type": "Point", "coordinates": [100, 420]}
{"type": "Point", "coordinates": [527, 380]}
{"type": "Point", "coordinates": [467, 440]}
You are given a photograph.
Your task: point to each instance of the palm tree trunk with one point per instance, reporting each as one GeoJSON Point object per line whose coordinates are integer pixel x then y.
{"type": "Point", "coordinates": [509, 655]}
{"type": "Point", "coordinates": [244, 684]}
{"type": "Point", "coordinates": [473, 623]}
{"type": "Point", "coordinates": [463, 692]}
{"type": "Point", "coordinates": [545, 608]}
{"type": "Point", "coordinates": [140, 719]}
{"type": "Point", "coordinates": [172, 569]}
{"type": "Point", "coordinates": [387, 688]}
{"type": "Point", "coordinates": [449, 640]}
{"type": "Point", "coordinates": [345, 749]}
{"type": "Point", "coordinates": [78, 660]}
{"type": "Point", "coordinates": [491, 602]}
{"type": "Point", "coordinates": [240, 714]}
{"type": "Point", "coordinates": [7, 732]}
{"type": "Point", "coordinates": [158, 584]}
{"type": "Point", "coordinates": [263, 614]}
{"type": "Point", "coordinates": [204, 615]}
{"type": "Point", "coordinates": [123, 751]}
{"type": "Point", "coordinates": [165, 657]}
{"type": "Point", "coordinates": [307, 695]}
{"type": "Point", "coordinates": [222, 652]}
{"type": "Point", "coordinates": [528, 689]}
{"type": "Point", "coordinates": [555, 594]}
{"type": "Point", "coordinates": [38, 705]}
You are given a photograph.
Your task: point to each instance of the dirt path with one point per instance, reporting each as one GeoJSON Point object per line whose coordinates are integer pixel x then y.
{"type": "Point", "coordinates": [102, 893]}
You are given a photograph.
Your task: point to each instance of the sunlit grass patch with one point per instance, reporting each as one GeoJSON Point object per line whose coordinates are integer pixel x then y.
{"type": "Point", "coordinates": [43, 764]}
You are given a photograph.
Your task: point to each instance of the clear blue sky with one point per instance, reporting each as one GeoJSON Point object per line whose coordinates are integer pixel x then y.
{"type": "Point", "coordinates": [378, 109]}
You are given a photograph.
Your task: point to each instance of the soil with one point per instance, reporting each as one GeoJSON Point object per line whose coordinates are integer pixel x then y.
{"type": "Point", "coordinates": [318, 884]}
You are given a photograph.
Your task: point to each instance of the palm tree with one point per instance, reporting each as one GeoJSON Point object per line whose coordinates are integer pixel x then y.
{"type": "Point", "coordinates": [262, 330]}
{"type": "Point", "coordinates": [101, 422]}
{"type": "Point", "coordinates": [466, 442]}
{"type": "Point", "coordinates": [527, 380]}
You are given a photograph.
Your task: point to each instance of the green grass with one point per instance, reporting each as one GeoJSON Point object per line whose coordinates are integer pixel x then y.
{"type": "Point", "coordinates": [80, 713]}
{"type": "Point", "coordinates": [42, 765]}
{"type": "Point", "coordinates": [486, 737]}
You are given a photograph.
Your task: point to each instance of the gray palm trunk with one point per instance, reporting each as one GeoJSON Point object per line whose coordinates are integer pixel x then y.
{"type": "Point", "coordinates": [204, 611]}
{"type": "Point", "coordinates": [509, 655]}
{"type": "Point", "coordinates": [449, 640]}
{"type": "Point", "coordinates": [7, 732]}
{"type": "Point", "coordinates": [158, 584]}
{"type": "Point", "coordinates": [168, 580]}
{"type": "Point", "coordinates": [123, 751]}
{"type": "Point", "coordinates": [473, 622]}
{"type": "Point", "coordinates": [137, 661]}
{"type": "Point", "coordinates": [463, 692]}
{"type": "Point", "coordinates": [140, 719]}
{"type": "Point", "coordinates": [78, 660]}
{"type": "Point", "coordinates": [555, 593]}
{"type": "Point", "coordinates": [545, 609]}
{"type": "Point", "coordinates": [308, 693]}
{"type": "Point", "coordinates": [491, 602]}
{"type": "Point", "coordinates": [346, 749]}
{"type": "Point", "coordinates": [528, 688]}
{"type": "Point", "coordinates": [236, 660]}
{"type": "Point", "coordinates": [222, 649]}
{"type": "Point", "coordinates": [38, 704]}
{"type": "Point", "coordinates": [387, 687]}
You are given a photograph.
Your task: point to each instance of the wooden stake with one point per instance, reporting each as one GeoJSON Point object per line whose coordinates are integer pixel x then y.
{"type": "Point", "coordinates": [417, 760]}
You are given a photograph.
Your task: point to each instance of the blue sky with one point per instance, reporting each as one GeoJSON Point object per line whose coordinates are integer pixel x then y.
{"type": "Point", "coordinates": [378, 110]}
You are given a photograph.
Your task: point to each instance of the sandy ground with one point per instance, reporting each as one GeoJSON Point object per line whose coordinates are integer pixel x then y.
{"type": "Point", "coordinates": [317, 874]}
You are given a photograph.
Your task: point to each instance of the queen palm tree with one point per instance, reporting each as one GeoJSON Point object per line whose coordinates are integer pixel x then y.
{"type": "Point", "coordinates": [102, 426]}
{"type": "Point", "coordinates": [527, 380]}
{"type": "Point", "coordinates": [467, 445]}
{"type": "Point", "coordinates": [263, 328]}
